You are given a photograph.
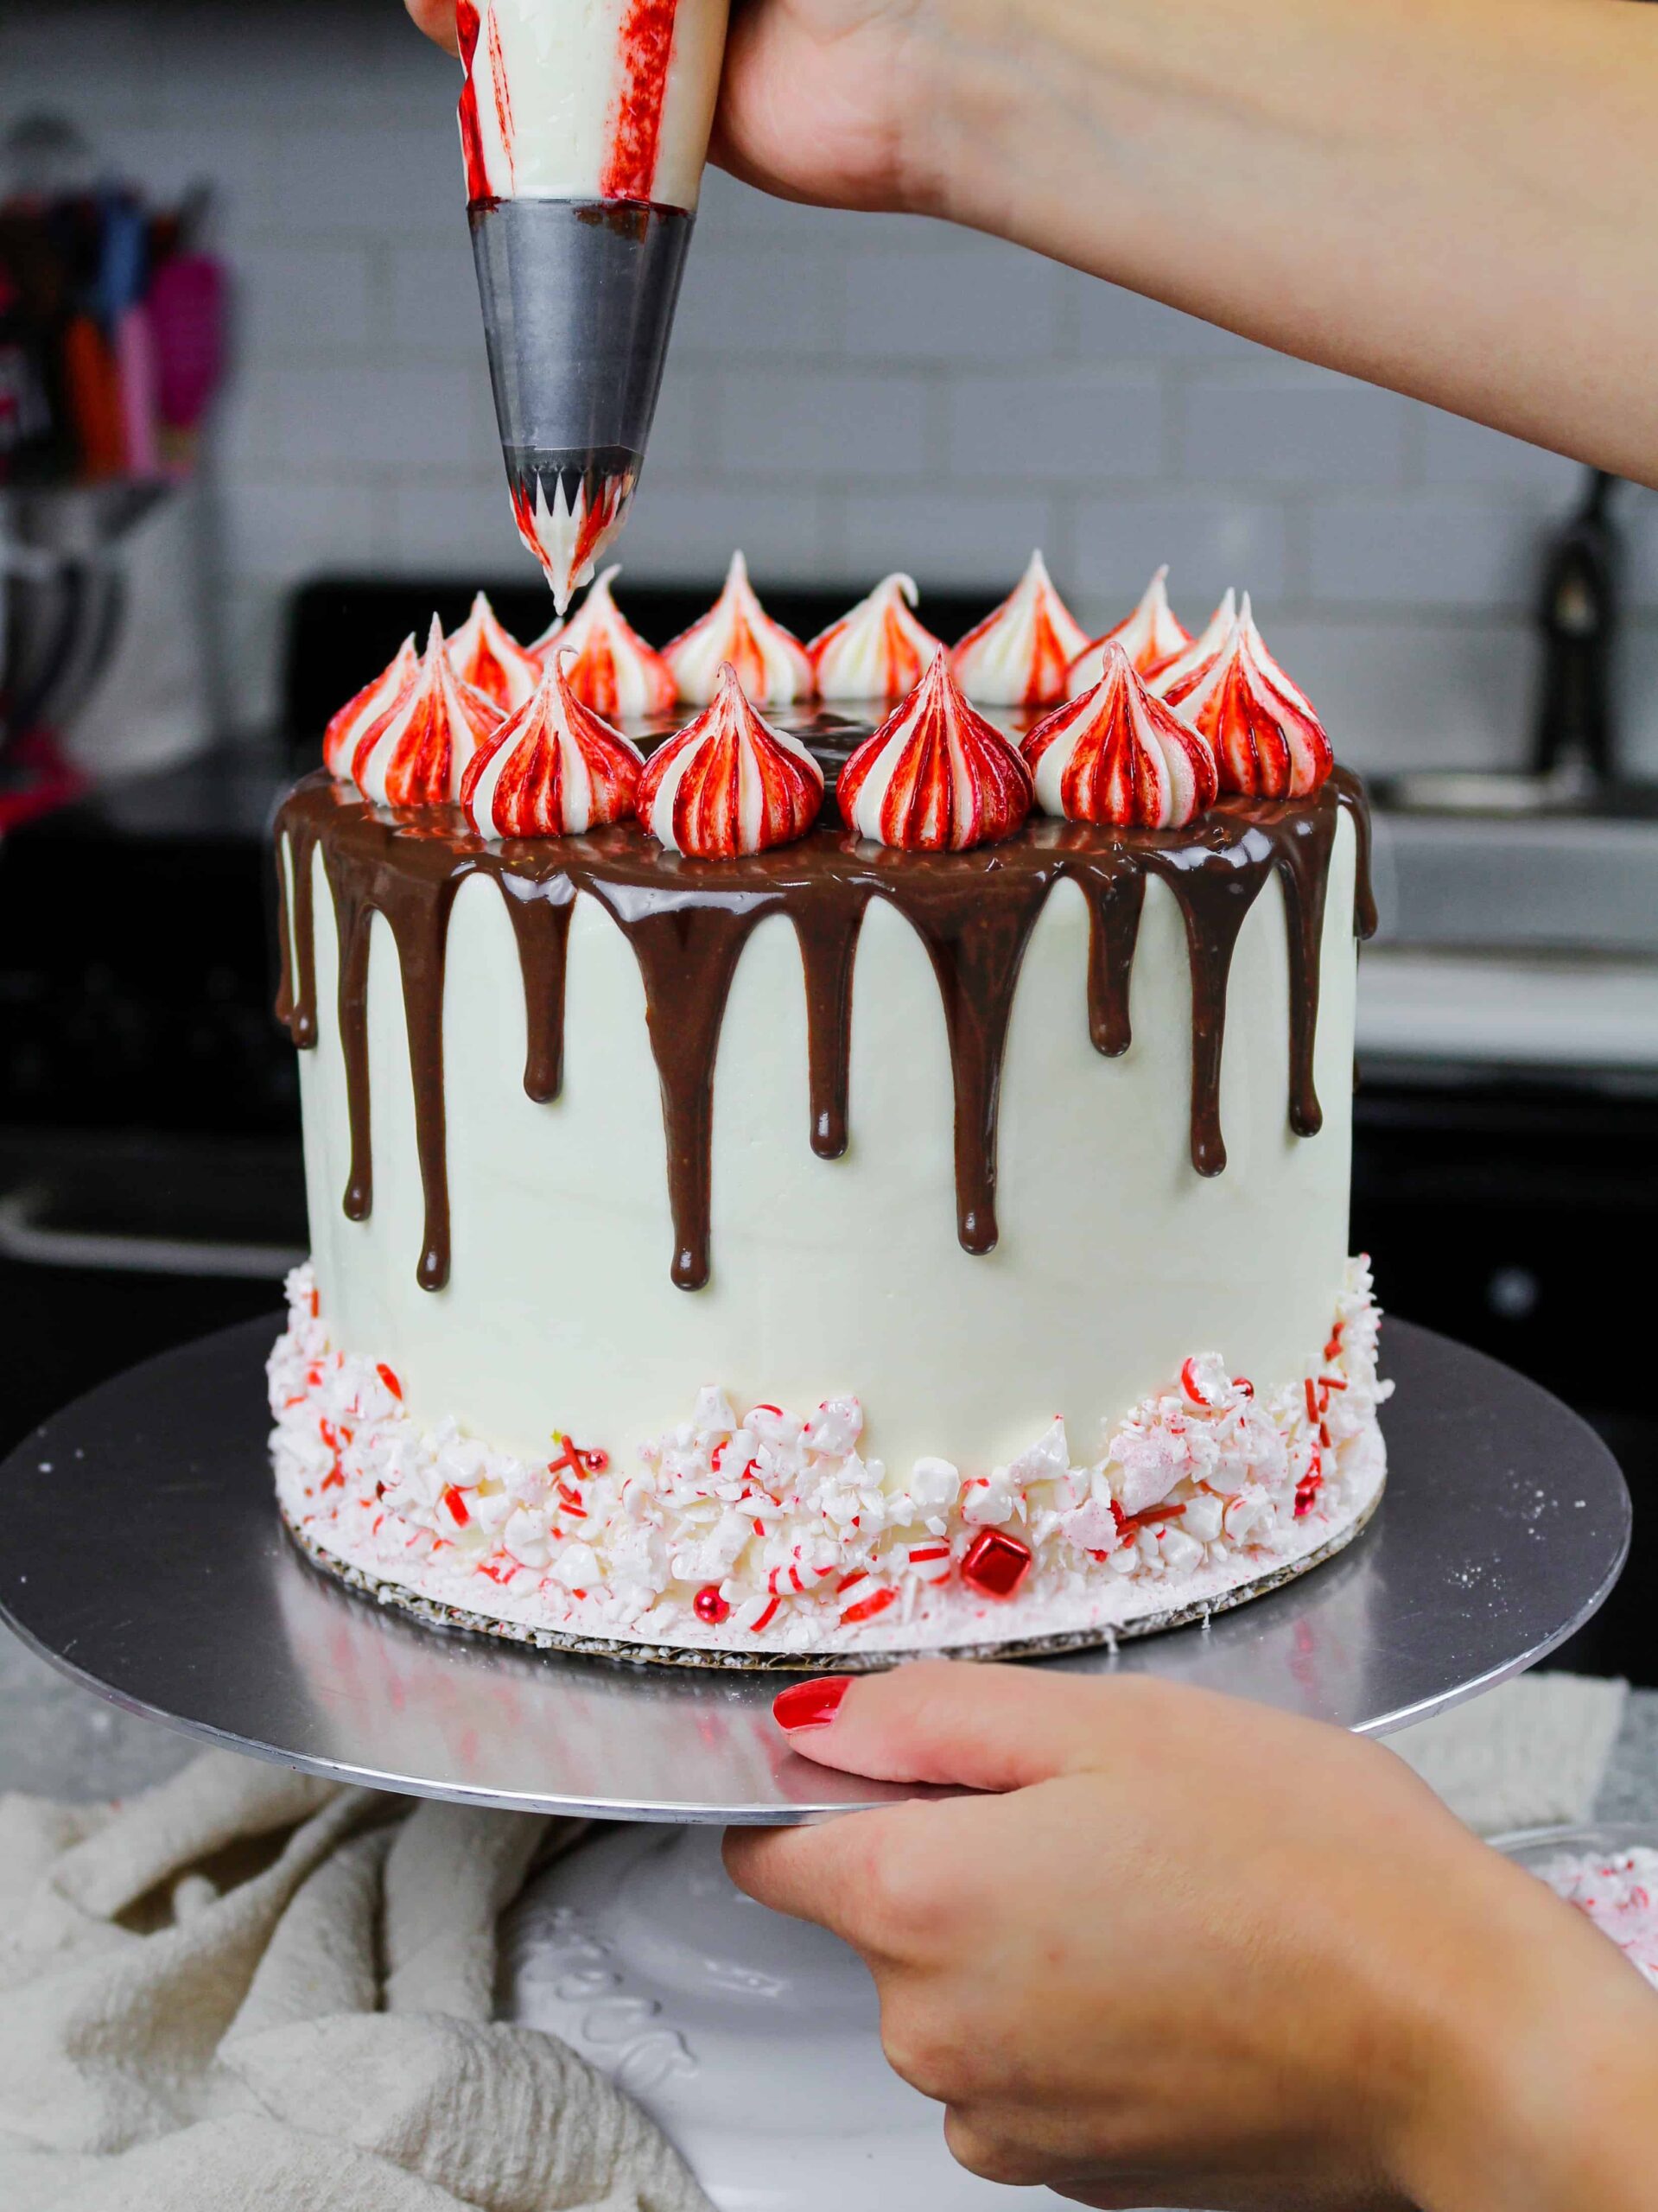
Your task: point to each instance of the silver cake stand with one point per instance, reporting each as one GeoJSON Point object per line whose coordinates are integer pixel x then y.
{"type": "Point", "coordinates": [142, 1554]}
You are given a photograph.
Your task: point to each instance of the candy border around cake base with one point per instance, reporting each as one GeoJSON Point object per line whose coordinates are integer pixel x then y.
{"type": "Point", "coordinates": [456, 1621]}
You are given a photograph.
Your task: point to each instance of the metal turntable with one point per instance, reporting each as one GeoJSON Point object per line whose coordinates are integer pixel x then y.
{"type": "Point", "coordinates": [144, 1555]}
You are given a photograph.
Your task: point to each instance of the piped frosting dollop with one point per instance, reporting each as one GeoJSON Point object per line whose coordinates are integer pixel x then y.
{"type": "Point", "coordinates": [553, 769]}
{"type": "Point", "coordinates": [616, 672]}
{"type": "Point", "coordinates": [877, 651]}
{"type": "Point", "coordinates": [1153, 636]}
{"type": "Point", "coordinates": [568, 534]}
{"type": "Point", "coordinates": [359, 714]}
{"type": "Point", "coordinates": [1018, 656]}
{"type": "Point", "coordinates": [770, 662]}
{"type": "Point", "coordinates": [1265, 736]}
{"type": "Point", "coordinates": [416, 753]}
{"type": "Point", "coordinates": [936, 777]}
{"type": "Point", "coordinates": [729, 783]}
{"type": "Point", "coordinates": [1178, 677]}
{"type": "Point", "coordinates": [484, 655]}
{"type": "Point", "coordinates": [1118, 755]}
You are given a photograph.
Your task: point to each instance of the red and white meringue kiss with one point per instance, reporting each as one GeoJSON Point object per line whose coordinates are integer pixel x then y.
{"type": "Point", "coordinates": [878, 650]}
{"type": "Point", "coordinates": [729, 783]}
{"type": "Point", "coordinates": [416, 753]}
{"type": "Point", "coordinates": [770, 662]}
{"type": "Point", "coordinates": [616, 672]}
{"type": "Point", "coordinates": [936, 777]}
{"type": "Point", "coordinates": [1153, 636]}
{"type": "Point", "coordinates": [493, 661]}
{"type": "Point", "coordinates": [1018, 656]}
{"type": "Point", "coordinates": [553, 769]}
{"type": "Point", "coordinates": [1119, 754]}
{"type": "Point", "coordinates": [567, 537]}
{"type": "Point", "coordinates": [1266, 737]}
{"type": "Point", "coordinates": [344, 732]}
{"type": "Point", "coordinates": [1178, 677]}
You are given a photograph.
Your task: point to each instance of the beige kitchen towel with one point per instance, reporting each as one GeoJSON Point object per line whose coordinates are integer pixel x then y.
{"type": "Point", "coordinates": [1528, 1754]}
{"type": "Point", "coordinates": [249, 1988]}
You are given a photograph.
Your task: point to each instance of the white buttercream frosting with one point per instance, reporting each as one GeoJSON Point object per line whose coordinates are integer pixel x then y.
{"type": "Point", "coordinates": [487, 656]}
{"type": "Point", "coordinates": [568, 534]}
{"type": "Point", "coordinates": [597, 99]}
{"type": "Point", "coordinates": [416, 753]}
{"type": "Point", "coordinates": [729, 782]}
{"type": "Point", "coordinates": [553, 770]}
{"type": "Point", "coordinates": [794, 1536]}
{"type": "Point", "coordinates": [1118, 755]}
{"type": "Point", "coordinates": [1153, 636]}
{"type": "Point", "coordinates": [347, 728]}
{"type": "Point", "coordinates": [879, 650]}
{"type": "Point", "coordinates": [1018, 655]}
{"type": "Point", "coordinates": [615, 671]}
{"type": "Point", "coordinates": [770, 662]}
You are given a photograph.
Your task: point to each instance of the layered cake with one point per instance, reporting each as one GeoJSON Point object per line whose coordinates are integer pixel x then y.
{"type": "Point", "coordinates": [825, 1149]}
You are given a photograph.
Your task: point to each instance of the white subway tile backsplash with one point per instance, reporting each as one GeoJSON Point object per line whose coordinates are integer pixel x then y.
{"type": "Point", "coordinates": [431, 302]}
{"type": "Point", "coordinates": [1076, 426]}
{"type": "Point", "coordinates": [1428, 550]}
{"type": "Point", "coordinates": [825, 423]}
{"type": "Point", "coordinates": [409, 418]}
{"type": "Point", "coordinates": [278, 530]}
{"type": "Point", "coordinates": [979, 302]}
{"type": "Point", "coordinates": [395, 175]}
{"type": "Point", "coordinates": [950, 537]}
{"type": "Point", "coordinates": [680, 532]}
{"type": "Point", "coordinates": [1209, 542]}
{"type": "Point", "coordinates": [755, 301]}
{"type": "Point", "coordinates": [1290, 425]}
{"type": "Point", "coordinates": [1399, 693]}
{"type": "Point", "coordinates": [306, 303]}
{"type": "Point", "coordinates": [1456, 452]}
{"type": "Point", "coordinates": [440, 522]}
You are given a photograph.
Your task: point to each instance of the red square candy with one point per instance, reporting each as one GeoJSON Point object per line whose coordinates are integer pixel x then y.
{"type": "Point", "coordinates": [996, 1563]}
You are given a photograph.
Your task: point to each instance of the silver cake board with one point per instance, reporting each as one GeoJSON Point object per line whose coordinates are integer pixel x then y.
{"type": "Point", "coordinates": [144, 1555]}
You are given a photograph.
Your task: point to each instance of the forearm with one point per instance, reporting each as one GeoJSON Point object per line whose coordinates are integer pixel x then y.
{"type": "Point", "coordinates": [1454, 198]}
{"type": "Point", "coordinates": [1533, 2050]}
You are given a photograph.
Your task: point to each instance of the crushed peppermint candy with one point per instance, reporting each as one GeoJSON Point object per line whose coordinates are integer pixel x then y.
{"type": "Point", "coordinates": [1618, 1891]}
{"type": "Point", "coordinates": [766, 1530]}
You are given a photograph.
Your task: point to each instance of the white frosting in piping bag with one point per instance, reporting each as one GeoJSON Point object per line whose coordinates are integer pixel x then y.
{"type": "Point", "coordinates": [589, 99]}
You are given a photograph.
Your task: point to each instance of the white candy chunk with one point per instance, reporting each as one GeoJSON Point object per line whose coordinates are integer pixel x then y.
{"type": "Point", "coordinates": [1092, 1527]}
{"type": "Point", "coordinates": [526, 1536]}
{"type": "Point", "coordinates": [1180, 1553]}
{"type": "Point", "coordinates": [1146, 1464]}
{"type": "Point", "coordinates": [990, 1500]}
{"type": "Point", "coordinates": [1046, 1460]}
{"type": "Point", "coordinates": [1249, 1517]}
{"type": "Point", "coordinates": [576, 1566]}
{"type": "Point", "coordinates": [713, 1414]}
{"type": "Point", "coordinates": [934, 1486]}
{"type": "Point", "coordinates": [835, 1428]}
{"type": "Point", "coordinates": [1202, 1518]}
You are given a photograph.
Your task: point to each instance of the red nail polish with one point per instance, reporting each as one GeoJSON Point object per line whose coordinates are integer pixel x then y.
{"type": "Point", "coordinates": [809, 1705]}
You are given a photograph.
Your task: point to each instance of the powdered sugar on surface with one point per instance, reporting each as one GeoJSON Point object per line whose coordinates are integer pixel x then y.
{"type": "Point", "coordinates": [763, 1530]}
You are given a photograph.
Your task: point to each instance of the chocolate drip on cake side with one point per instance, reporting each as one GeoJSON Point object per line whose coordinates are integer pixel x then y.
{"type": "Point", "coordinates": [688, 921]}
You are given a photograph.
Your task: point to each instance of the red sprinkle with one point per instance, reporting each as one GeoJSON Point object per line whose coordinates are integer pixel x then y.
{"type": "Point", "coordinates": [390, 1379]}
{"type": "Point", "coordinates": [456, 1501]}
{"type": "Point", "coordinates": [1313, 1399]}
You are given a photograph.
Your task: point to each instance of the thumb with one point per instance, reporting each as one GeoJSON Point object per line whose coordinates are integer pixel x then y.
{"type": "Point", "coordinates": [436, 19]}
{"type": "Point", "coordinates": [981, 1728]}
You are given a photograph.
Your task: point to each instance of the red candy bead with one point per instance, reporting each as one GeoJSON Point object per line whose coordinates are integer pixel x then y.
{"type": "Point", "coordinates": [710, 1608]}
{"type": "Point", "coordinates": [996, 1563]}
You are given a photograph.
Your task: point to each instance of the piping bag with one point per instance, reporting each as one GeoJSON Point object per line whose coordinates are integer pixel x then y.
{"type": "Point", "coordinates": [584, 125]}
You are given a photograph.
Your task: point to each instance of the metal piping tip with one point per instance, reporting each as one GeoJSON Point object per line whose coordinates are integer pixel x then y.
{"type": "Point", "coordinates": [578, 299]}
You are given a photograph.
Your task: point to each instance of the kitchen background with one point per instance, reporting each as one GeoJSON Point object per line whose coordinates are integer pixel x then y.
{"type": "Point", "coordinates": [846, 394]}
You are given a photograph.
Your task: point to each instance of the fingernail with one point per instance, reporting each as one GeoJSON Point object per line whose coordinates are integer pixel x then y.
{"type": "Point", "coordinates": [809, 1705]}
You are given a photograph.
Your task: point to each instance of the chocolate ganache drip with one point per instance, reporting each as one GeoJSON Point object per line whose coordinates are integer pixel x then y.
{"type": "Point", "coordinates": [688, 921]}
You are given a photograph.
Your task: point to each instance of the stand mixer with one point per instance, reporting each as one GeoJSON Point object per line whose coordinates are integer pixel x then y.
{"type": "Point", "coordinates": [585, 129]}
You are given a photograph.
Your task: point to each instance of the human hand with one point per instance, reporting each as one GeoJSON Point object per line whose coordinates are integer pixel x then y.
{"type": "Point", "coordinates": [823, 100]}
{"type": "Point", "coordinates": [1194, 1952]}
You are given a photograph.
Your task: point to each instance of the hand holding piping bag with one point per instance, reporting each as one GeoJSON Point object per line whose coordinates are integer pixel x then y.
{"type": "Point", "coordinates": [1192, 1952]}
{"type": "Point", "coordinates": [1186, 148]}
